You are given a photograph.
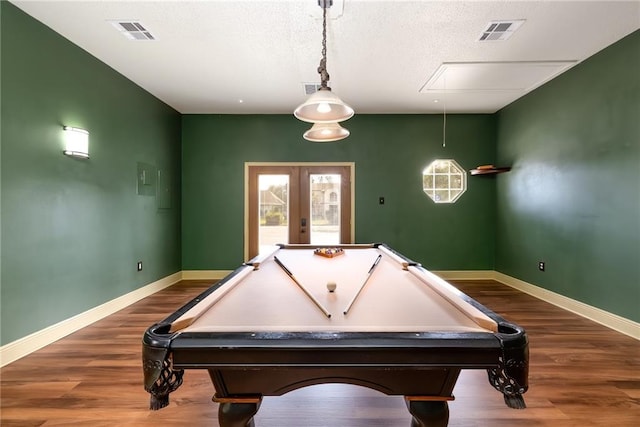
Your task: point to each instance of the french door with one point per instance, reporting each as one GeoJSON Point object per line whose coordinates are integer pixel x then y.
{"type": "Point", "coordinates": [297, 203]}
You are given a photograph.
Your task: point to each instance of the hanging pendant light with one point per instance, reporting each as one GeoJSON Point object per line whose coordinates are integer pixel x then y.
{"type": "Point", "coordinates": [326, 132]}
{"type": "Point", "coordinates": [323, 106]}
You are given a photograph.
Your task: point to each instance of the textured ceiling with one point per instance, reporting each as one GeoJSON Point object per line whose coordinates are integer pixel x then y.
{"type": "Point", "coordinates": [254, 56]}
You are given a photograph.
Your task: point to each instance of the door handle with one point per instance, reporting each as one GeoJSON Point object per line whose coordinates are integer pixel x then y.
{"type": "Point", "coordinates": [303, 224]}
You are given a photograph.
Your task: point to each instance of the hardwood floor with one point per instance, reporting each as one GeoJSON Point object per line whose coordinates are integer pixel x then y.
{"type": "Point", "coordinates": [581, 375]}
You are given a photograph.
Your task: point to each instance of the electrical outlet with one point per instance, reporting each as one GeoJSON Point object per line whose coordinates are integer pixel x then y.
{"type": "Point", "coordinates": [139, 265]}
{"type": "Point", "coordinates": [541, 265]}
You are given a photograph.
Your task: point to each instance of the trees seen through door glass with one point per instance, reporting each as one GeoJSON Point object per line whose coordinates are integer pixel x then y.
{"type": "Point", "coordinates": [325, 209]}
{"type": "Point", "coordinates": [273, 227]}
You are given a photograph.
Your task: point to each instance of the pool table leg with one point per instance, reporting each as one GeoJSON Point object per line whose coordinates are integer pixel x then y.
{"type": "Point", "coordinates": [237, 414]}
{"type": "Point", "coordinates": [428, 413]}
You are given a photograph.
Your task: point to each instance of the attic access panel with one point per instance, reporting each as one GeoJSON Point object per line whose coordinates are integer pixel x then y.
{"type": "Point", "coordinates": [458, 77]}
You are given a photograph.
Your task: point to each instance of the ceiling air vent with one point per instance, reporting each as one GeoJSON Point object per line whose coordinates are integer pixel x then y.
{"type": "Point", "coordinates": [133, 30]}
{"type": "Point", "coordinates": [500, 30]}
{"type": "Point", "coordinates": [311, 88]}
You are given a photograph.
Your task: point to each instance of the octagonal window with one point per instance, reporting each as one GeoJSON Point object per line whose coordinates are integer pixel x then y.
{"type": "Point", "coordinates": [444, 181]}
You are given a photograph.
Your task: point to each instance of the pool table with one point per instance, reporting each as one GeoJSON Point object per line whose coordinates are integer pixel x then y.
{"type": "Point", "coordinates": [276, 324]}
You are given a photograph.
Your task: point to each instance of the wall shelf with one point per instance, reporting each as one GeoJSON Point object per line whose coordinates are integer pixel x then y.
{"type": "Point", "coordinates": [491, 171]}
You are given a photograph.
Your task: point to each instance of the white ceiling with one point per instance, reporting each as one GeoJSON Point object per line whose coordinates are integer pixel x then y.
{"type": "Point", "coordinates": [253, 56]}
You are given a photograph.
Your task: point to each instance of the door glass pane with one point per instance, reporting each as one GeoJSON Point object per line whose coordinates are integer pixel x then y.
{"type": "Point", "coordinates": [274, 210]}
{"type": "Point", "coordinates": [325, 209]}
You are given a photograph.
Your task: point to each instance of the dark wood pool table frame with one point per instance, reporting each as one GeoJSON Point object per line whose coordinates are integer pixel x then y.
{"type": "Point", "coordinates": [422, 366]}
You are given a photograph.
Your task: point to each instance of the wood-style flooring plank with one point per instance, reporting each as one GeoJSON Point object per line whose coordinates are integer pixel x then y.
{"type": "Point", "coordinates": [581, 375]}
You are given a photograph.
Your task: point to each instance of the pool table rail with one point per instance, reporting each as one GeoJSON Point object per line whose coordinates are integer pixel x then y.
{"type": "Point", "coordinates": [504, 355]}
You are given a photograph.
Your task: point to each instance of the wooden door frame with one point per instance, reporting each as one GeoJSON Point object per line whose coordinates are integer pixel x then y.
{"type": "Point", "coordinates": [350, 165]}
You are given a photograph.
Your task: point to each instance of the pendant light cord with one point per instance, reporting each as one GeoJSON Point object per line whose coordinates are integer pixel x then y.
{"type": "Point", "coordinates": [444, 114]}
{"type": "Point", "coordinates": [322, 69]}
{"type": "Point", "coordinates": [444, 125]}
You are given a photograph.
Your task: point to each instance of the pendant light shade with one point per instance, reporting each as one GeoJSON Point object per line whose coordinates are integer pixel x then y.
{"type": "Point", "coordinates": [323, 107]}
{"type": "Point", "coordinates": [326, 132]}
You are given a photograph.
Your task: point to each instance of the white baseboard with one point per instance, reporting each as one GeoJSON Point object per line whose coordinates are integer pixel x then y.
{"type": "Point", "coordinates": [35, 341]}
{"type": "Point", "coordinates": [24, 346]}
{"type": "Point", "coordinates": [205, 274]}
{"type": "Point", "coordinates": [610, 320]}
{"type": "Point", "coordinates": [466, 274]}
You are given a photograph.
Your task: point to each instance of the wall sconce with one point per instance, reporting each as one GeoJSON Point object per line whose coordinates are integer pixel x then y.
{"type": "Point", "coordinates": [76, 142]}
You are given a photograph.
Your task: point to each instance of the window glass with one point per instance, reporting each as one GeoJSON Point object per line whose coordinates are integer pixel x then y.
{"type": "Point", "coordinates": [325, 209]}
{"type": "Point", "coordinates": [274, 210]}
{"type": "Point", "coordinates": [444, 181]}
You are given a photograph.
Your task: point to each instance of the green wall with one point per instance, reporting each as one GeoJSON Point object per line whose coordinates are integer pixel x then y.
{"type": "Point", "coordinates": [389, 151]}
{"type": "Point", "coordinates": [573, 196]}
{"type": "Point", "coordinates": [73, 230]}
